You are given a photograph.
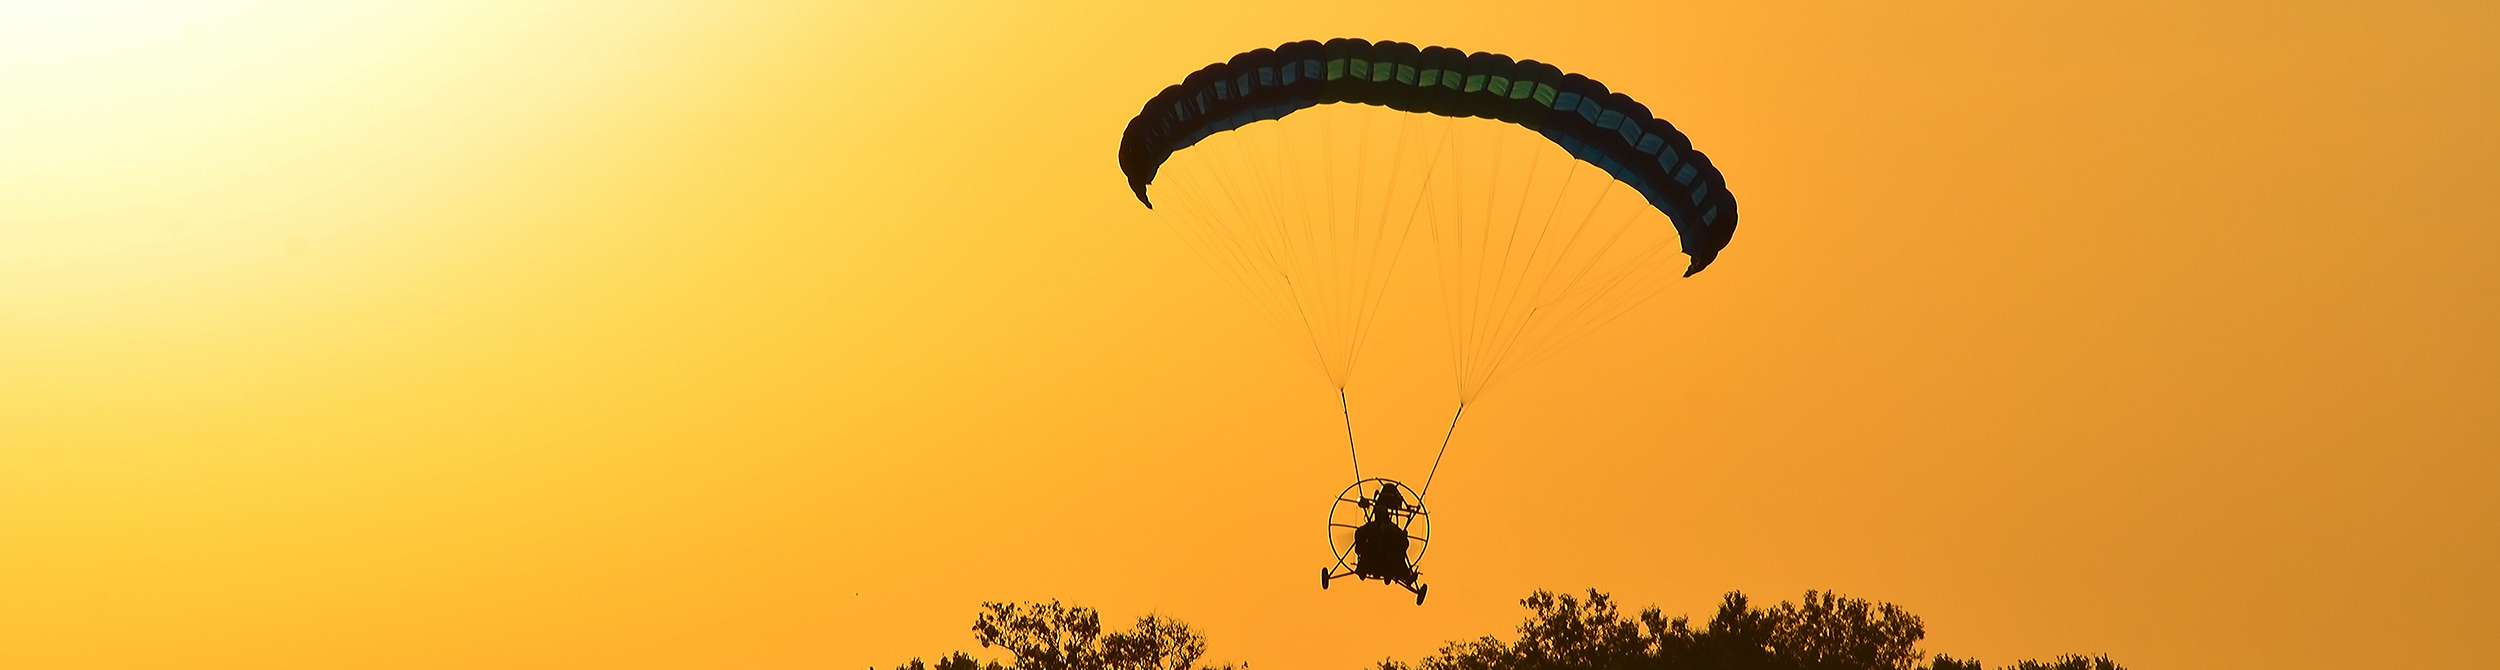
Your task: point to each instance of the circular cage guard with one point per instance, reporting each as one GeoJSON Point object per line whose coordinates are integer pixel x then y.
{"type": "Point", "coordinates": [1353, 507]}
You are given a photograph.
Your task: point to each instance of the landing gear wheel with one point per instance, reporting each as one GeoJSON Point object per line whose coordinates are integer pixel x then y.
{"type": "Point", "coordinates": [1323, 578]}
{"type": "Point", "coordinates": [1419, 592]}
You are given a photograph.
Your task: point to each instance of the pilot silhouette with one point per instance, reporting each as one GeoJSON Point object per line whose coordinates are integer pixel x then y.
{"type": "Point", "coordinates": [1380, 545]}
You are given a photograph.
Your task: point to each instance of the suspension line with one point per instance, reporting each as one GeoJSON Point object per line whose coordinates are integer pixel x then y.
{"type": "Point", "coordinates": [1349, 434]}
{"type": "Point", "coordinates": [1445, 449]}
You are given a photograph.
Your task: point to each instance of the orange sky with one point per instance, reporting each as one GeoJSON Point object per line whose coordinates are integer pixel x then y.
{"type": "Point", "coordinates": [559, 334]}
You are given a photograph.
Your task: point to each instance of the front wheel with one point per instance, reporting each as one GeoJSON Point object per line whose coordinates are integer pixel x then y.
{"type": "Point", "coordinates": [1323, 579]}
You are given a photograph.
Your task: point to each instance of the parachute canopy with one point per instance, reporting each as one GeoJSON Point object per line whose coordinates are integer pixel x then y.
{"type": "Point", "coordinates": [1605, 129]}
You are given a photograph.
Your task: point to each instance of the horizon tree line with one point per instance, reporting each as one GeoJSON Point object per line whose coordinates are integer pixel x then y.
{"type": "Point", "coordinates": [1824, 631]}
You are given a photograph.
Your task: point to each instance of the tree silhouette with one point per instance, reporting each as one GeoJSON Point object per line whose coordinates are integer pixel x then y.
{"type": "Point", "coordinates": [1825, 632]}
{"type": "Point", "coordinates": [1822, 631]}
{"type": "Point", "coordinates": [2068, 662]}
{"type": "Point", "coordinates": [1155, 643]}
{"type": "Point", "coordinates": [956, 661]}
{"type": "Point", "coordinates": [1833, 632]}
{"type": "Point", "coordinates": [1054, 636]}
{"type": "Point", "coordinates": [1042, 636]}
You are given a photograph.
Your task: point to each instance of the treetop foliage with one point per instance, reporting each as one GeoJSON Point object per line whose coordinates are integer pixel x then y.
{"type": "Point", "coordinates": [1053, 636]}
{"type": "Point", "coordinates": [1822, 631]}
{"type": "Point", "coordinates": [1825, 631]}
